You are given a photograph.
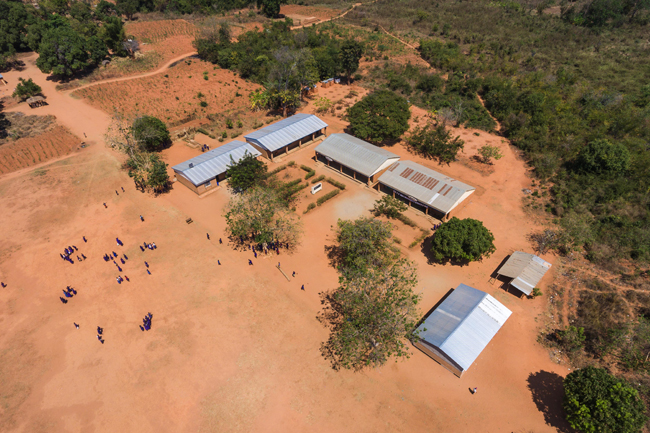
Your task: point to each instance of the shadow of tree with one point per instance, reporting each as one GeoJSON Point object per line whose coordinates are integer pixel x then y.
{"type": "Point", "coordinates": [331, 318]}
{"type": "Point", "coordinates": [547, 390]}
{"type": "Point", "coordinates": [334, 255]}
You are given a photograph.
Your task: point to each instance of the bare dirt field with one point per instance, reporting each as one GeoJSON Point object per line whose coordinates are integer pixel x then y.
{"type": "Point", "coordinates": [305, 15]}
{"type": "Point", "coordinates": [172, 96]}
{"type": "Point", "coordinates": [233, 347]}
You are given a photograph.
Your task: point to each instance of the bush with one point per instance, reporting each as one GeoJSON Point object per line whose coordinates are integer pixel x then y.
{"type": "Point", "coordinates": [309, 207]}
{"type": "Point", "coordinates": [336, 183]}
{"type": "Point", "coordinates": [203, 104]}
{"type": "Point", "coordinates": [150, 133]}
{"type": "Point", "coordinates": [318, 179]}
{"type": "Point", "coordinates": [603, 157]}
{"type": "Point", "coordinates": [327, 196]}
{"type": "Point", "coordinates": [488, 152]}
{"type": "Point", "coordinates": [596, 401]}
{"type": "Point", "coordinates": [389, 206]}
{"type": "Point", "coordinates": [379, 117]}
{"type": "Point", "coordinates": [229, 123]}
{"type": "Point", "coordinates": [435, 141]}
{"type": "Point", "coordinates": [26, 89]}
{"type": "Point", "coordinates": [310, 171]}
{"type": "Point", "coordinates": [465, 240]}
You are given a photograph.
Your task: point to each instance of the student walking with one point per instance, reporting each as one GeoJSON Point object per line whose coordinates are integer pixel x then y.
{"type": "Point", "coordinates": [65, 301]}
{"type": "Point", "coordinates": [146, 264]}
{"type": "Point", "coordinates": [303, 287]}
{"type": "Point", "coordinates": [141, 218]}
{"type": "Point", "coordinates": [148, 272]}
{"type": "Point", "coordinates": [218, 262]}
{"type": "Point", "coordinates": [83, 257]}
{"type": "Point", "coordinates": [85, 239]}
{"type": "Point", "coordinates": [220, 241]}
{"type": "Point", "coordinates": [294, 274]}
{"type": "Point", "coordinates": [208, 235]}
{"type": "Point", "coordinates": [117, 193]}
{"type": "Point", "coordinates": [105, 206]}
{"type": "Point", "coordinates": [76, 325]}
{"type": "Point", "coordinates": [250, 262]}
{"type": "Point", "coordinates": [122, 189]}
{"type": "Point", "coordinates": [127, 278]}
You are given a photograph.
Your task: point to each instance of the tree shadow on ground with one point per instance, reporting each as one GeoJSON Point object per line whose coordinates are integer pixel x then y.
{"type": "Point", "coordinates": [330, 316]}
{"type": "Point", "coordinates": [334, 255]}
{"type": "Point", "coordinates": [547, 390]}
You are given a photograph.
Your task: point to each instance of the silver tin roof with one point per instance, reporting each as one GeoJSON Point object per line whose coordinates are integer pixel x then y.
{"type": "Point", "coordinates": [355, 153]}
{"type": "Point", "coordinates": [286, 131]}
{"type": "Point", "coordinates": [525, 269]}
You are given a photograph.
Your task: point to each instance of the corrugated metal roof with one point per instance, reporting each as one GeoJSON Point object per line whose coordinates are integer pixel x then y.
{"type": "Point", "coordinates": [525, 269]}
{"type": "Point", "coordinates": [286, 131]}
{"type": "Point", "coordinates": [425, 185]}
{"type": "Point", "coordinates": [463, 325]}
{"type": "Point", "coordinates": [355, 153]}
{"type": "Point", "coordinates": [214, 162]}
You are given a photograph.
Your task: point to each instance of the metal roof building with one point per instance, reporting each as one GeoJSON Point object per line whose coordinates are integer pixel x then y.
{"type": "Point", "coordinates": [460, 328]}
{"type": "Point", "coordinates": [362, 160]}
{"type": "Point", "coordinates": [526, 270]}
{"type": "Point", "coordinates": [424, 188]}
{"type": "Point", "coordinates": [286, 134]}
{"type": "Point", "coordinates": [212, 165]}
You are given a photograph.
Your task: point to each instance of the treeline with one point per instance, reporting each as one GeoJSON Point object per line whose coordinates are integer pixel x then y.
{"type": "Point", "coordinates": [602, 13]}
{"type": "Point", "coordinates": [130, 7]}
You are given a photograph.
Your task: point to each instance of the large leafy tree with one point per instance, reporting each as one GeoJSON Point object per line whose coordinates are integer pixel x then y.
{"type": "Point", "coordinates": [62, 51]}
{"type": "Point", "coordinates": [26, 89]}
{"type": "Point", "coordinates": [350, 54]}
{"type": "Point", "coordinates": [113, 35]}
{"type": "Point", "coordinates": [370, 317]}
{"type": "Point", "coordinates": [150, 133]}
{"type": "Point", "coordinates": [148, 172]}
{"type": "Point", "coordinates": [270, 8]}
{"type": "Point", "coordinates": [245, 173]}
{"type": "Point", "coordinates": [260, 215]}
{"type": "Point", "coordinates": [15, 17]}
{"type": "Point", "coordinates": [379, 117]}
{"type": "Point", "coordinates": [363, 244]}
{"type": "Point", "coordinates": [597, 402]}
{"type": "Point", "coordinates": [435, 141]}
{"type": "Point", "coordinates": [604, 158]}
{"type": "Point", "coordinates": [463, 240]}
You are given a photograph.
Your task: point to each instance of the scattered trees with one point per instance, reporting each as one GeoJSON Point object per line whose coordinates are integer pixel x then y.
{"type": "Point", "coordinates": [245, 173]}
{"type": "Point", "coordinates": [462, 240]}
{"type": "Point", "coordinates": [260, 215]}
{"type": "Point", "coordinates": [435, 141]}
{"type": "Point", "coordinates": [370, 317]}
{"type": "Point", "coordinates": [596, 401]}
{"type": "Point", "coordinates": [488, 152]}
{"type": "Point", "coordinates": [151, 133]}
{"type": "Point", "coordinates": [26, 89]}
{"type": "Point", "coordinates": [379, 117]}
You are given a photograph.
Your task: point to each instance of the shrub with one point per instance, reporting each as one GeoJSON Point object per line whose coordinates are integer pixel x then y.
{"type": "Point", "coordinates": [336, 183]}
{"type": "Point", "coordinates": [318, 179]}
{"type": "Point", "coordinates": [435, 141]}
{"type": "Point", "coordinates": [309, 207]}
{"type": "Point", "coordinates": [25, 89]}
{"type": "Point", "coordinates": [603, 157]}
{"type": "Point", "coordinates": [327, 196]}
{"type": "Point", "coordinates": [389, 206]}
{"type": "Point", "coordinates": [203, 104]}
{"type": "Point", "coordinates": [380, 116]}
{"type": "Point", "coordinates": [488, 152]}
{"type": "Point", "coordinates": [229, 123]}
{"type": "Point", "coordinates": [310, 171]}
{"type": "Point", "coordinates": [240, 124]}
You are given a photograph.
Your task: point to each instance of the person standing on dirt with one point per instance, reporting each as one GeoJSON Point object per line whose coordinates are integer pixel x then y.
{"type": "Point", "coordinates": [141, 218]}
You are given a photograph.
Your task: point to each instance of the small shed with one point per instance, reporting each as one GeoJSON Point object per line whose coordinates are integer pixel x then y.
{"type": "Point", "coordinates": [281, 137]}
{"type": "Point", "coordinates": [354, 157]}
{"type": "Point", "coordinates": [36, 101]}
{"type": "Point", "coordinates": [461, 327]}
{"type": "Point", "coordinates": [424, 189]}
{"type": "Point", "coordinates": [204, 172]}
{"type": "Point", "coordinates": [525, 271]}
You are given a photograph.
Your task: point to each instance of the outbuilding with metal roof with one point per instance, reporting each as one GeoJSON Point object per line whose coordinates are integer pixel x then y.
{"type": "Point", "coordinates": [461, 327]}
{"type": "Point", "coordinates": [204, 172]}
{"type": "Point", "coordinates": [525, 271]}
{"type": "Point", "coordinates": [423, 188]}
{"type": "Point", "coordinates": [281, 137]}
{"type": "Point", "coordinates": [354, 157]}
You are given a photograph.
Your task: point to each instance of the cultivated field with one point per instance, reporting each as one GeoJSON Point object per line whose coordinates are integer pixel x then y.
{"type": "Point", "coordinates": [173, 96]}
{"type": "Point", "coordinates": [29, 151]}
{"type": "Point", "coordinates": [158, 31]}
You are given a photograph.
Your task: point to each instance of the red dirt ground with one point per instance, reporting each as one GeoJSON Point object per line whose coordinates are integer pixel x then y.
{"type": "Point", "coordinates": [305, 15]}
{"type": "Point", "coordinates": [173, 99]}
{"type": "Point", "coordinates": [26, 152]}
{"type": "Point", "coordinates": [234, 348]}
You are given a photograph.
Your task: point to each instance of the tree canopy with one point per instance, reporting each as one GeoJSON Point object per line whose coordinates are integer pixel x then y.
{"type": "Point", "coordinates": [603, 157]}
{"type": "Point", "coordinates": [245, 173]}
{"type": "Point", "coordinates": [380, 116]}
{"type": "Point", "coordinates": [435, 141]}
{"type": "Point", "coordinates": [462, 240]}
{"type": "Point", "coordinates": [270, 8]}
{"type": "Point", "coordinates": [62, 51]}
{"type": "Point", "coordinates": [351, 52]}
{"type": "Point", "coordinates": [150, 133]}
{"type": "Point", "coordinates": [596, 401]}
{"type": "Point", "coordinates": [26, 89]}
{"type": "Point", "coordinates": [370, 317]}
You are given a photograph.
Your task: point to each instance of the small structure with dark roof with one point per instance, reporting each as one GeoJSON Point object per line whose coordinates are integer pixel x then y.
{"type": "Point", "coordinates": [354, 157]}
{"type": "Point", "coordinates": [204, 172]}
{"type": "Point", "coordinates": [525, 271]}
{"type": "Point", "coordinates": [461, 327]}
{"type": "Point", "coordinates": [424, 189]}
{"type": "Point", "coordinates": [36, 101]}
{"type": "Point", "coordinates": [281, 137]}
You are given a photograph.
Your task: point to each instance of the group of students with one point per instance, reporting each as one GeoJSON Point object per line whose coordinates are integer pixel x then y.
{"type": "Point", "coordinates": [146, 322]}
{"type": "Point", "coordinates": [69, 251]}
{"type": "Point", "coordinates": [69, 292]}
{"type": "Point", "coordinates": [205, 148]}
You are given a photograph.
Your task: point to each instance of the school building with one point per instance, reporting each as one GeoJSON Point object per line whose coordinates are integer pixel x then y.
{"type": "Point", "coordinates": [424, 189]}
{"type": "Point", "coordinates": [281, 137]}
{"type": "Point", "coordinates": [204, 172]}
{"type": "Point", "coordinates": [354, 157]}
{"type": "Point", "coordinates": [460, 328]}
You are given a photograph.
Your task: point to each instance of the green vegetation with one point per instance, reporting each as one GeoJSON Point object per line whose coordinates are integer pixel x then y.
{"type": "Point", "coordinates": [488, 152]}
{"type": "Point", "coordinates": [26, 89]}
{"type": "Point", "coordinates": [270, 8]}
{"type": "Point", "coordinates": [351, 52]}
{"type": "Point", "coordinates": [148, 171]}
{"type": "Point", "coordinates": [245, 173]}
{"type": "Point", "coordinates": [435, 141]}
{"type": "Point", "coordinates": [336, 183]}
{"type": "Point", "coordinates": [151, 133]}
{"type": "Point", "coordinates": [389, 206]}
{"type": "Point", "coordinates": [596, 401]}
{"type": "Point", "coordinates": [327, 196]}
{"type": "Point", "coordinates": [462, 240]}
{"type": "Point", "coordinates": [129, 8]}
{"type": "Point", "coordinates": [379, 117]}
{"type": "Point", "coordinates": [310, 171]}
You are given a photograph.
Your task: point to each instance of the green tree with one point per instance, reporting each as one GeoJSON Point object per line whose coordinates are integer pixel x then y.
{"type": "Point", "coordinates": [466, 240]}
{"type": "Point", "coordinates": [148, 172]}
{"type": "Point", "coordinates": [62, 51]}
{"type": "Point", "coordinates": [113, 34]}
{"type": "Point", "coordinates": [127, 8]}
{"type": "Point", "coordinates": [370, 317]}
{"type": "Point", "coordinates": [363, 244]}
{"type": "Point", "coordinates": [14, 21]}
{"type": "Point", "coordinates": [270, 8]}
{"type": "Point", "coordinates": [150, 133]}
{"type": "Point", "coordinates": [245, 173]}
{"type": "Point", "coordinates": [598, 402]}
{"type": "Point", "coordinates": [603, 157]}
{"type": "Point", "coordinates": [349, 56]}
{"type": "Point", "coordinates": [379, 117]}
{"type": "Point", "coordinates": [487, 152]}
{"type": "Point", "coordinates": [260, 215]}
{"type": "Point", "coordinates": [389, 206]}
{"type": "Point", "coordinates": [26, 89]}
{"type": "Point", "coordinates": [435, 141]}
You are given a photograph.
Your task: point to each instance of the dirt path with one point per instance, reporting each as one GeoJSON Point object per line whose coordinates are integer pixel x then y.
{"type": "Point", "coordinates": [336, 17]}
{"type": "Point", "coordinates": [133, 77]}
